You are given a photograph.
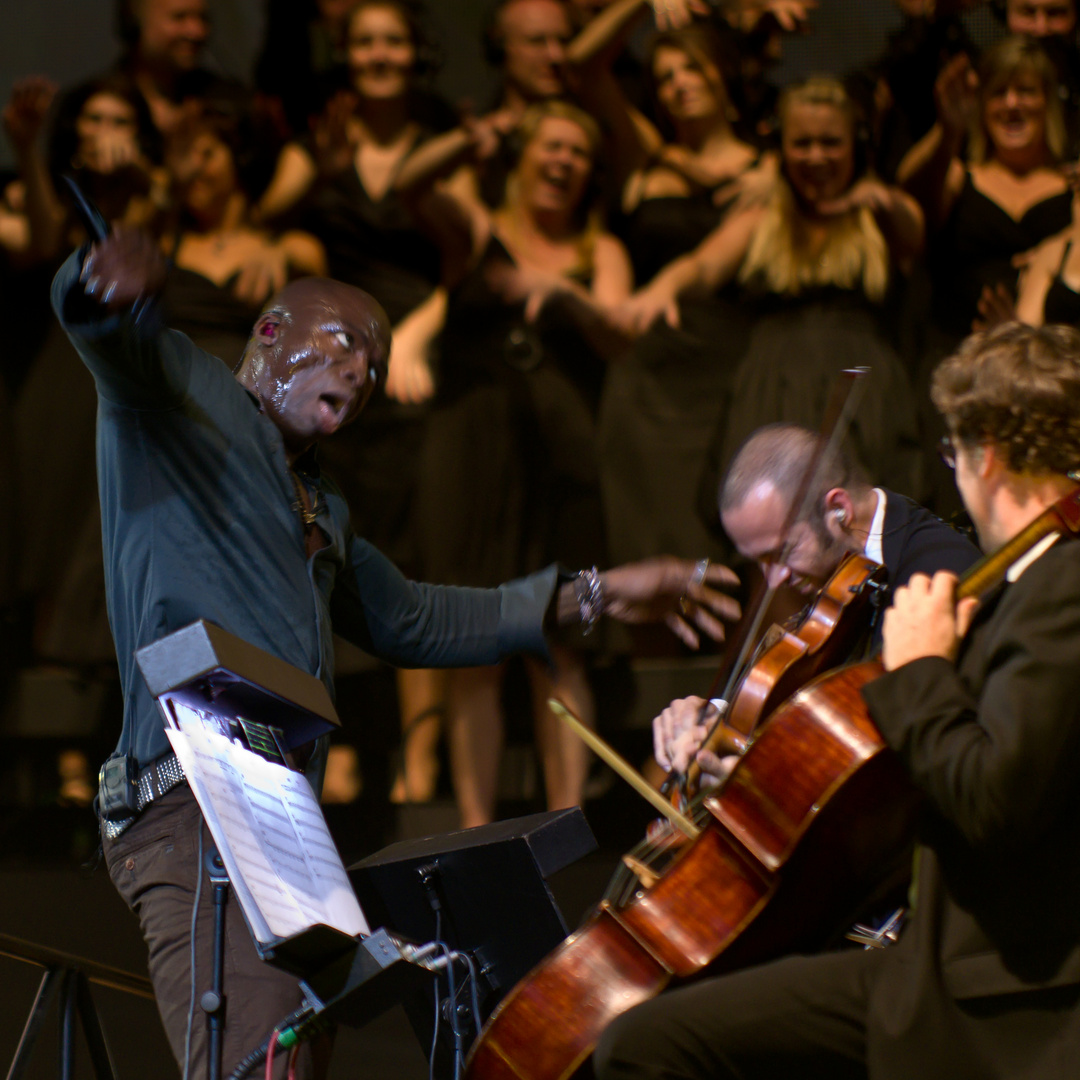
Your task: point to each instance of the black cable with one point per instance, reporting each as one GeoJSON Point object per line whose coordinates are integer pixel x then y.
{"type": "Point", "coordinates": [438, 1010]}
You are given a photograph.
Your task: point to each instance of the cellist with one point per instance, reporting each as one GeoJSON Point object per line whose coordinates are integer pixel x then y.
{"type": "Point", "coordinates": [983, 708]}
{"type": "Point", "coordinates": [844, 514]}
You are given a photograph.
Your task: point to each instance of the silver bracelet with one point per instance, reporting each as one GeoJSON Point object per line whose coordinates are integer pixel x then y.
{"type": "Point", "coordinates": [590, 597]}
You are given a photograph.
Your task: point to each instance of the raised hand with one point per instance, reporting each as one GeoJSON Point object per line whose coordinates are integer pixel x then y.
{"type": "Point", "coordinates": [517, 282]}
{"type": "Point", "coordinates": [125, 267]}
{"type": "Point", "coordinates": [671, 14]}
{"type": "Point", "coordinates": [789, 15]}
{"type": "Point", "coordinates": [956, 93]}
{"type": "Point", "coordinates": [25, 112]}
{"type": "Point", "coordinates": [262, 275]}
{"type": "Point", "coordinates": [996, 305]}
{"type": "Point", "coordinates": [752, 188]}
{"type": "Point", "coordinates": [873, 194]}
{"type": "Point", "coordinates": [334, 136]}
{"type": "Point", "coordinates": [486, 133]}
{"type": "Point", "coordinates": [637, 314]}
{"type": "Point", "coordinates": [409, 378]}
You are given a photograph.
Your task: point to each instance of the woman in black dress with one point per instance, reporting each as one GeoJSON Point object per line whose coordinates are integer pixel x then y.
{"type": "Point", "coordinates": [339, 184]}
{"type": "Point", "coordinates": [816, 264]}
{"type": "Point", "coordinates": [1008, 196]}
{"type": "Point", "coordinates": [224, 267]}
{"type": "Point", "coordinates": [509, 479]}
{"type": "Point", "coordinates": [673, 185]}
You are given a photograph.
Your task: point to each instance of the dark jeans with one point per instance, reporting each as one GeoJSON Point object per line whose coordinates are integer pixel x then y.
{"type": "Point", "coordinates": [155, 867]}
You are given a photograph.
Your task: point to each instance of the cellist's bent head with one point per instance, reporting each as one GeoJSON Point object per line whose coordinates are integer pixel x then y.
{"type": "Point", "coordinates": [766, 478]}
{"type": "Point", "coordinates": [1010, 398]}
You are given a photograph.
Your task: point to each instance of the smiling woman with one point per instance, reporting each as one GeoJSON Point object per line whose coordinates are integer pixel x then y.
{"type": "Point", "coordinates": [509, 475]}
{"type": "Point", "coordinates": [1009, 197]}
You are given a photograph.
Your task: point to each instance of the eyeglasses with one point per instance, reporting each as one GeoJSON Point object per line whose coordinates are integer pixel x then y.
{"type": "Point", "coordinates": [947, 450]}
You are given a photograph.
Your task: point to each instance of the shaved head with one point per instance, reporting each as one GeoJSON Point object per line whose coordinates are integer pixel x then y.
{"type": "Point", "coordinates": [315, 355]}
{"type": "Point", "coordinates": [780, 454]}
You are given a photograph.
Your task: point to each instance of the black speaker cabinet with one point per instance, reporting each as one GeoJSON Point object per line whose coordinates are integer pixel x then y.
{"type": "Point", "coordinates": [482, 891]}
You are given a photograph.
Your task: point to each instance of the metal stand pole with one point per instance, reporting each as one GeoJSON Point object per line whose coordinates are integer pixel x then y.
{"type": "Point", "coordinates": [213, 1000]}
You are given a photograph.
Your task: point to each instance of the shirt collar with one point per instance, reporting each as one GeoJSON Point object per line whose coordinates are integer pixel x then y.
{"type": "Point", "coordinates": [873, 549]}
{"type": "Point", "coordinates": [1030, 556]}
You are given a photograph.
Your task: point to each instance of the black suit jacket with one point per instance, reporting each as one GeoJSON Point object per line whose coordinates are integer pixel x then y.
{"type": "Point", "coordinates": [993, 743]}
{"type": "Point", "coordinates": [914, 541]}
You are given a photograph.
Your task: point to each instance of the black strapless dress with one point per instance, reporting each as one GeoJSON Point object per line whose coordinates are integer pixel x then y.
{"type": "Point", "coordinates": [797, 350]}
{"type": "Point", "coordinates": [373, 244]}
{"type": "Point", "coordinates": [974, 249]}
{"type": "Point", "coordinates": [1062, 304]}
{"type": "Point", "coordinates": [662, 401]}
{"type": "Point", "coordinates": [508, 480]}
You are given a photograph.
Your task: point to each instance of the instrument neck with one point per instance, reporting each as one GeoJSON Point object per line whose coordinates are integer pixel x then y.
{"type": "Point", "coordinates": [1063, 518]}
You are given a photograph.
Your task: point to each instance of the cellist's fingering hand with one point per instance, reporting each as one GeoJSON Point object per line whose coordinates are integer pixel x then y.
{"type": "Point", "coordinates": [925, 620]}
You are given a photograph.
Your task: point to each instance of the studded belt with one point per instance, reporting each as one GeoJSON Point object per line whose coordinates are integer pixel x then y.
{"type": "Point", "coordinates": [155, 780]}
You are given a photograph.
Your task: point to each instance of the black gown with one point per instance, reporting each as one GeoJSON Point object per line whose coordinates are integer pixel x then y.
{"type": "Point", "coordinates": [974, 249]}
{"type": "Point", "coordinates": [373, 244]}
{"type": "Point", "coordinates": [661, 402]}
{"type": "Point", "coordinates": [797, 350]}
{"type": "Point", "coordinates": [210, 314]}
{"type": "Point", "coordinates": [1062, 303]}
{"type": "Point", "coordinates": [508, 480]}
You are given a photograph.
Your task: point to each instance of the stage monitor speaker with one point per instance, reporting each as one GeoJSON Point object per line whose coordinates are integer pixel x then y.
{"type": "Point", "coordinates": [487, 890]}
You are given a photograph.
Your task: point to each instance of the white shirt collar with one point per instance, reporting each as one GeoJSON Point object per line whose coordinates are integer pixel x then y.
{"type": "Point", "coordinates": [1030, 556]}
{"type": "Point", "coordinates": [873, 548]}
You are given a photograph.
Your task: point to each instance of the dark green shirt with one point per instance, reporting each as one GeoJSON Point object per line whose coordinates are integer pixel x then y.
{"type": "Point", "coordinates": [199, 522]}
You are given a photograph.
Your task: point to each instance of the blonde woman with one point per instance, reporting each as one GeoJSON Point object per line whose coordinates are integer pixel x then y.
{"type": "Point", "coordinates": [509, 476]}
{"type": "Point", "coordinates": [818, 263]}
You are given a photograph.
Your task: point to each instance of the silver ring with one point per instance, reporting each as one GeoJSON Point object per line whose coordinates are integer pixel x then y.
{"type": "Point", "coordinates": [701, 568]}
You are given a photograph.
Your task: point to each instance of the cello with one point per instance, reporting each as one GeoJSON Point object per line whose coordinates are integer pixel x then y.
{"type": "Point", "coordinates": [815, 815]}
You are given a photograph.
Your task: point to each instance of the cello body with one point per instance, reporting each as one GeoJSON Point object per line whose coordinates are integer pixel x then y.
{"type": "Point", "coordinates": [816, 817]}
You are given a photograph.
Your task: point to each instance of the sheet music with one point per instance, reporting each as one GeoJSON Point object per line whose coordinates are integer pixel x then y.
{"type": "Point", "coordinates": [270, 832]}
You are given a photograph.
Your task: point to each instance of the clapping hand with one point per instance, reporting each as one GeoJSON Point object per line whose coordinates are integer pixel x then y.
{"type": "Point", "coordinates": [996, 305]}
{"type": "Point", "coordinates": [672, 14]}
{"type": "Point", "coordinates": [956, 93]}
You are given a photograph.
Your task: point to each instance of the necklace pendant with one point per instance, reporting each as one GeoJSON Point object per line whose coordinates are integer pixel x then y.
{"type": "Point", "coordinates": [306, 516]}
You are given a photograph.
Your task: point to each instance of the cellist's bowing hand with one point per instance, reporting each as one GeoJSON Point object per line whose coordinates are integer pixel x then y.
{"type": "Point", "coordinates": [678, 592]}
{"type": "Point", "coordinates": [678, 734]}
{"type": "Point", "coordinates": [925, 620]}
{"type": "Point", "coordinates": [679, 731]}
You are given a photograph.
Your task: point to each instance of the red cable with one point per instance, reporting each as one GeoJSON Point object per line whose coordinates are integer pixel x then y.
{"type": "Point", "coordinates": [294, 1053]}
{"type": "Point", "coordinates": [270, 1049]}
